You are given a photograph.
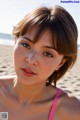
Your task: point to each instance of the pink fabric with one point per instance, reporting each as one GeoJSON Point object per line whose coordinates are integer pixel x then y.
{"type": "Point", "coordinates": [54, 104]}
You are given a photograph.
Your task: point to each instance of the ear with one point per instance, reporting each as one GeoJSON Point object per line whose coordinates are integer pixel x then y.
{"type": "Point", "coordinates": [61, 64]}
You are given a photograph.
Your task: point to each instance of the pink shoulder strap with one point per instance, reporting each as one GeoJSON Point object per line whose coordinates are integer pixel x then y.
{"type": "Point", "coordinates": [54, 104]}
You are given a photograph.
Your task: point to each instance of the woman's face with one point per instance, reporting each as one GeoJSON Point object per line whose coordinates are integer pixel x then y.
{"type": "Point", "coordinates": [35, 62]}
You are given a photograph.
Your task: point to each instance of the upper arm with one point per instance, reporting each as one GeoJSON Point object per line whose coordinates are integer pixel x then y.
{"type": "Point", "coordinates": [70, 109]}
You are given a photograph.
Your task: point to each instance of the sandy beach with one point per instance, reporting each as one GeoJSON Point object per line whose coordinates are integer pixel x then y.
{"type": "Point", "coordinates": [70, 82]}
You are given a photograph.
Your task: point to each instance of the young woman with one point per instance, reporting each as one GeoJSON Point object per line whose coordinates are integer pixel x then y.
{"type": "Point", "coordinates": [45, 48]}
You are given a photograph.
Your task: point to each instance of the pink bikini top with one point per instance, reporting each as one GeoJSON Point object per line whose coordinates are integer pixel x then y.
{"type": "Point", "coordinates": [54, 104]}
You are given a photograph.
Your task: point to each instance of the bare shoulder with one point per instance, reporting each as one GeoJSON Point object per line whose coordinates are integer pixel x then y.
{"type": "Point", "coordinates": [69, 108]}
{"type": "Point", "coordinates": [6, 80]}
{"type": "Point", "coordinates": [6, 84]}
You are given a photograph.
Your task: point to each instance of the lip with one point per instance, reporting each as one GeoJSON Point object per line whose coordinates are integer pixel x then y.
{"type": "Point", "coordinates": [28, 72]}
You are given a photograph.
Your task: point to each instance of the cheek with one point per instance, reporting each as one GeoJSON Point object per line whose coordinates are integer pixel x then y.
{"type": "Point", "coordinates": [49, 67]}
{"type": "Point", "coordinates": [18, 56]}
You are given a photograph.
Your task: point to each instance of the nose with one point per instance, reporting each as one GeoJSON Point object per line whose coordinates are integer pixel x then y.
{"type": "Point", "coordinates": [31, 58]}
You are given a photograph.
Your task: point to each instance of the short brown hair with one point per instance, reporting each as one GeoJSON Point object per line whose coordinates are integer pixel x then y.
{"type": "Point", "coordinates": [64, 34]}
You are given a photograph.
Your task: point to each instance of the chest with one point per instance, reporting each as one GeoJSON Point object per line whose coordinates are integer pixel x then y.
{"type": "Point", "coordinates": [27, 112]}
{"type": "Point", "coordinates": [33, 111]}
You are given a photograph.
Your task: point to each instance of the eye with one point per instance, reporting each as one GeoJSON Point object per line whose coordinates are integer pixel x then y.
{"type": "Point", "coordinates": [26, 45]}
{"type": "Point", "coordinates": [48, 54]}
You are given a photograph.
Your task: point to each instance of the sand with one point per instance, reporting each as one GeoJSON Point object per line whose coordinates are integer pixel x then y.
{"type": "Point", "coordinates": [70, 82]}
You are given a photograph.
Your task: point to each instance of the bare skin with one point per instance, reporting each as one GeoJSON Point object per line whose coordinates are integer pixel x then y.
{"type": "Point", "coordinates": [39, 107]}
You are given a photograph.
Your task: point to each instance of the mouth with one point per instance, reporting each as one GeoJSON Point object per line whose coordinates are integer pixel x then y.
{"type": "Point", "coordinates": [28, 72]}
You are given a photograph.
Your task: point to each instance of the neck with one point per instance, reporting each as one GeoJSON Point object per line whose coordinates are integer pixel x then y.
{"type": "Point", "coordinates": [29, 93]}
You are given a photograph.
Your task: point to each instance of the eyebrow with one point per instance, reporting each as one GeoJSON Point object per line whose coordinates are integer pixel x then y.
{"type": "Point", "coordinates": [50, 47]}
{"type": "Point", "coordinates": [27, 39]}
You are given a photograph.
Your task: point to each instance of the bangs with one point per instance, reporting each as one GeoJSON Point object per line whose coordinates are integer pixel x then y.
{"type": "Point", "coordinates": [41, 26]}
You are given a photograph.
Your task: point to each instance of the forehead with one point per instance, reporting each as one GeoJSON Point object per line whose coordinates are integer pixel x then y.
{"type": "Point", "coordinates": [45, 36]}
